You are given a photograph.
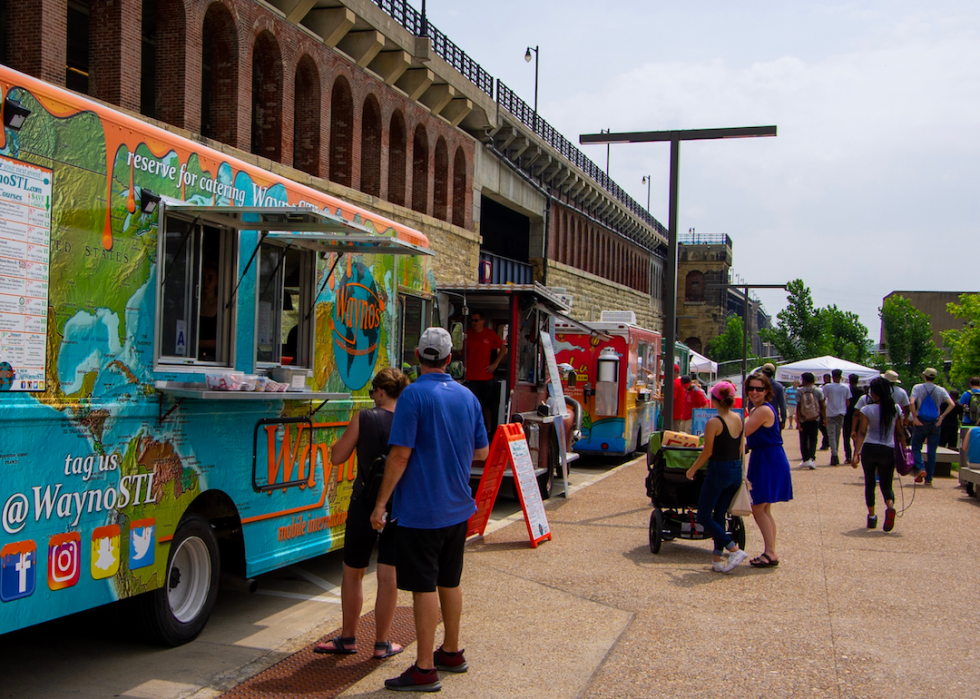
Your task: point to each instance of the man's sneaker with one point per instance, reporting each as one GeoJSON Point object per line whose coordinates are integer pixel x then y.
{"type": "Point", "coordinates": [834, 461]}
{"type": "Point", "coordinates": [872, 521]}
{"type": "Point", "coordinates": [450, 662]}
{"type": "Point", "coordinates": [889, 519]}
{"type": "Point", "coordinates": [734, 560]}
{"type": "Point", "coordinates": [928, 484]}
{"type": "Point", "coordinates": [415, 680]}
{"type": "Point", "coordinates": [812, 464]}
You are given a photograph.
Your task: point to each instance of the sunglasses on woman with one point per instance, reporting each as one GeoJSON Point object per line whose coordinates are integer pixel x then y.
{"type": "Point", "coordinates": [756, 389]}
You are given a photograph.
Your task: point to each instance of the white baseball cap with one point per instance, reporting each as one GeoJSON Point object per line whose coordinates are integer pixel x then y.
{"type": "Point", "coordinates": [435, 344]}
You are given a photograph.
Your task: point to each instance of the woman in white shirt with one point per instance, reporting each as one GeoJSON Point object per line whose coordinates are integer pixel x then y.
{"type": "Point", "coordinates": [875, 449]}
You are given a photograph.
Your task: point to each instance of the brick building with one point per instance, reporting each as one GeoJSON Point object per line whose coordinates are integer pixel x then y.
{"type": "Point", "coordinates": [704, 306]}
{"type": "Point", "coordinates": [369, 102]}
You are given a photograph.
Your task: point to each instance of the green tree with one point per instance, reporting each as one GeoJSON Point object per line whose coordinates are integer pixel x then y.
{"type": "Point", "coordinates": [799, 332]}
{"type": "Point", "coordinates": [848, 336]}
{"type": "Point", "coordinates": [908, 336]}
{"type": "Point", "coordinates": [727, 347]}
{"type": "Point", "coordinates": [964, 343]}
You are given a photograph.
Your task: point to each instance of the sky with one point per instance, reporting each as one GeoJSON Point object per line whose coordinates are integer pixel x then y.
{"type": "Point", "coordinates": [872, 183]}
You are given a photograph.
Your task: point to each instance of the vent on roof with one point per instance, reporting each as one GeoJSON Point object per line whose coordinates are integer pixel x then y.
{"type": "Point", "coordinates": [618, 317]}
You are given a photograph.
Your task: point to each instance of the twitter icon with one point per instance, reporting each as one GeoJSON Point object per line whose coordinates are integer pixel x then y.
{"type": "Point", "coordinates": [142, 533]}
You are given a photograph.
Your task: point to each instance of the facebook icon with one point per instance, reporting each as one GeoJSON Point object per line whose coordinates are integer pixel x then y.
{"type": "Point", "coordinates": [18, 570]}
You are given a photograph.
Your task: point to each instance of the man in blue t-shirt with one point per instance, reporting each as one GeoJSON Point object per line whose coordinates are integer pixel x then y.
{"type": "Point", "coordinates": [436, 434]}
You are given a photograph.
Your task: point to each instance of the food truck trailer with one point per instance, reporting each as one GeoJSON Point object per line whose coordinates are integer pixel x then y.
{"type": "Point", "coordinates": [140, 274]}
{"type": "Point", "coordinates": [519, 314]}
{"type": "Point", "coordinates": [617, 381]}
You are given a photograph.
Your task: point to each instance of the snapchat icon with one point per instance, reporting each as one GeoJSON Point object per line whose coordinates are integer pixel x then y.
{"type": "Point", "coordinates": [105, 551]}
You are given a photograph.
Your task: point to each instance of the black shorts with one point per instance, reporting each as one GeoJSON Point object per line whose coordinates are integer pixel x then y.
{"type": "Point", "coordinates": [430, 558]}
{"type": "Point", "coordinates": [360, 537]}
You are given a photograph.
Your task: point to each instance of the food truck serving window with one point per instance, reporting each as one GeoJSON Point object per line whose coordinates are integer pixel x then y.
{"type": "Point", "coordinates": [196, 278]}
{"type": "Point", "coordinates": [283, 328]}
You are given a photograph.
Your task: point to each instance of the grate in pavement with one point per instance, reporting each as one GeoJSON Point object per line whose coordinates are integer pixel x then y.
{"type": "Point", "coordinates": [316, 676]}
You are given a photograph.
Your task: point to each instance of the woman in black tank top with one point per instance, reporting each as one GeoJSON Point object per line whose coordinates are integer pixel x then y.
{"type": "Point", "coordinates": [723, 454]}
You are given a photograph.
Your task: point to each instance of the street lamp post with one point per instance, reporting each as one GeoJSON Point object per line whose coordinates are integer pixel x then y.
{"type": "Point", "coordinates": [647, 180]}
{"type": "Point", "coordinates": [527, 57]}
{"type": "Point", "coordinates": [670, 297]}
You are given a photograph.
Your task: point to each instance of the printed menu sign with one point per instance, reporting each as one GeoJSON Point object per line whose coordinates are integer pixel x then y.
{"type": "Point", "coordinates": [25, 237]}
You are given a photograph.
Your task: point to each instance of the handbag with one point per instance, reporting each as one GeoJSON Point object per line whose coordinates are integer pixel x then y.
{"type": "Point", "coordinates": [741, 505]}
{"type": "Point", "coordinates": [904, 461]}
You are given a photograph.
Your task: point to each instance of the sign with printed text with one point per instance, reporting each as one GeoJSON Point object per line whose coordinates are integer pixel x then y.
{"type": "Point", "coordinates": [25, 240]}
{"type": "Point", "coordinates": [556, 386]}
{"type": "Point", "coordinates": [700, 417]}
{"type": "Point", "coordinates": [509, 448]}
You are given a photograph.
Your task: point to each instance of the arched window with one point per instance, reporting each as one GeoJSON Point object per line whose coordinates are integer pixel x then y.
{"type": "Point", "coordinates": [219, 76]}
{"type": "Point", "coordinates": [459, 188]}
{"type": "Point", "coordinates": [420, 170]}
{"type": "Point", "coordinates": [267, 97]}
{"type": "Point", "coordinates": [162, 63]}
{"type": "Point", "coordinates": [440, 185]}
{"type": "Point", "coordinates": [341, 132]}
{"type": "Point", "coordinates": [371, 147]}
{"type": "Point", "coordinates": [694, 286]}
{"type": "Point", "coordinates": [396, 159]}
{"type": "Point", "coordinates": [694, 343]}
{"type": "Point", "coordinates": [306, 117]}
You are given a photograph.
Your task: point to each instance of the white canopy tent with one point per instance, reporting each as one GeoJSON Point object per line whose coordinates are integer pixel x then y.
{"type": "Point", "coordinates": [702, 364]}
{"type": "Point", "coordinates": [818, 366]}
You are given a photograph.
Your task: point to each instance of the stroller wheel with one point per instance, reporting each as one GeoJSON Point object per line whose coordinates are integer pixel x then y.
{"type": "Point", "coordinates": [656, 530]}
{"type": "Point", "coordinates": [737, 531]}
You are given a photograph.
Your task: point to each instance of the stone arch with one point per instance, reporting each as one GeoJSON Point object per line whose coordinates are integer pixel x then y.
{"type": "Point", "coordinates": [371, 147]}
{"type": "Point", "coordinates": [694, 286]}
{"type": "Point", "coordinates": [459, 188]}
{"type": "Point", "coordinates": [219, 75]}
{"type": "Point", "coordinates": [306, 116]}
{"type": "Point", "coordinates": [397, 159]}
{"type": "Point", "coordinates": [440, 183]}
{"type": "Point", "coordinates": [694, 343]}
{"type": "Point", "coordinates": [341, 132]}
{"type": "Point", "coordinates": [420, 170]}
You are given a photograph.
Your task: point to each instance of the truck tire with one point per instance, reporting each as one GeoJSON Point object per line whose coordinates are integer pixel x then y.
{"type": "Point", "coordinates": [176, 613]}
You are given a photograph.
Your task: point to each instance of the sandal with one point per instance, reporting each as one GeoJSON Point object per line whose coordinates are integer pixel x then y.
{"type": "Point", "coordinates": [764, 561]}
{"type": "Point", "coordinates": [387, 649]}
{"type": "Point", "coordinates": [337, 646]}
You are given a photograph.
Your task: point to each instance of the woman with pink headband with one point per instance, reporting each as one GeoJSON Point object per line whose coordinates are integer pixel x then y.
{"type": "Point", "coordinates": [723, 454]}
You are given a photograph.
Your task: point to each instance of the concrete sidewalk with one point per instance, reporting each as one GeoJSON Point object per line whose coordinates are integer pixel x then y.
{"type": "Point", "coordinates": [850, 612]}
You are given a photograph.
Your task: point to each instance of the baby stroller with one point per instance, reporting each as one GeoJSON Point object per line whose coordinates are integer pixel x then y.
{"type": "Point", "coordinates": [675, 499]}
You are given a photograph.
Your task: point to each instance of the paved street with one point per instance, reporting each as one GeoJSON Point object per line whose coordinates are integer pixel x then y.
{"type": "Point", "coordinates": [99, 655]}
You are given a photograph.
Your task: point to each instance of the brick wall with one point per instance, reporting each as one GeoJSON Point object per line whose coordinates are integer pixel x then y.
{"type": "Point", "coordinates": [593, 294]}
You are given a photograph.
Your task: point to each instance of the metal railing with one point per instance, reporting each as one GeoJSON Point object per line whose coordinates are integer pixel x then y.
{"type": "Point", "coordinates": [503, 270]}
{"type": "Point", "coordinates": [507, 99]}
{"type": "Point", "coordinates": [411, 19]}
{"type": "Point", "coordinates": [704, 239]}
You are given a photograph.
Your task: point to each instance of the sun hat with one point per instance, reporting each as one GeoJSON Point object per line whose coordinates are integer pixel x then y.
{"type": "Point", "coordinates": [435, 344]}
{"type": "Point", "coordinates": [930, 373]}
{"type": "Point", "coordinates": [891, 376]}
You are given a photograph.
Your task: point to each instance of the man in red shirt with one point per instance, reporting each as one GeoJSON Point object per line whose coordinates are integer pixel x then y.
{"type": "Point", "coordinates": [480, 344]}
{"type": "Point", "coordinates": [693, 398]}
{"type": "Point", "coordinates": [678, 398]}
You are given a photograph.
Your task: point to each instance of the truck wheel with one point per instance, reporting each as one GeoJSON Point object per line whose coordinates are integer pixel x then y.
{"type": "Point", "coordinates": [177, 612]}
{"type": "Point", "coordinates": [656, 530]}
{"type": "Point", "coordinates": [546, 481]}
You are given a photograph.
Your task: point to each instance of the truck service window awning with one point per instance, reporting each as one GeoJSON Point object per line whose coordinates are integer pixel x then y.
{"type": "Point", "coordinates": [571, 321]}
{"type": "Point", "coordinates": [305, 228]}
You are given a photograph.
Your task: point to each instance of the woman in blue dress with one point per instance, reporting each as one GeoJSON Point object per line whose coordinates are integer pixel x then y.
{"type": "Point", "coordinates": [768, 472]}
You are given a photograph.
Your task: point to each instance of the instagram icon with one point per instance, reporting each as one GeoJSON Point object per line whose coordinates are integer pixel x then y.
{"type": "Point", "coordinates": [64, 560]}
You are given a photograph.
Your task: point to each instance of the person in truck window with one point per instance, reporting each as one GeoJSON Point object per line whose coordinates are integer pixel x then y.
{"type": "Point", "coordinates": [480, 345]}
{"type": "Point", "coordinates": [207, 333]}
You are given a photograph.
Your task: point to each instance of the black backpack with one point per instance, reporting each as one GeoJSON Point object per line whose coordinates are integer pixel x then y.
{"type": "Point", "coordinates": [376, 471]}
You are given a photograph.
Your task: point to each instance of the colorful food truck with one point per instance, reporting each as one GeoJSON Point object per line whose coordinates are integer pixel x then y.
{"type": "Point", "coordinates": [518, 314]}
{"type": "Point", "coordinates": [140, 272]}
{"type": "Point", "coordinates": [616, 380]}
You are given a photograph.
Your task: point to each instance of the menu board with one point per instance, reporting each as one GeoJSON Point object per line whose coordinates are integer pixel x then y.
{"type": "Point", "coordinates": [528, 493]}
{"type": "Point", "coordinates": [25, 237]}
